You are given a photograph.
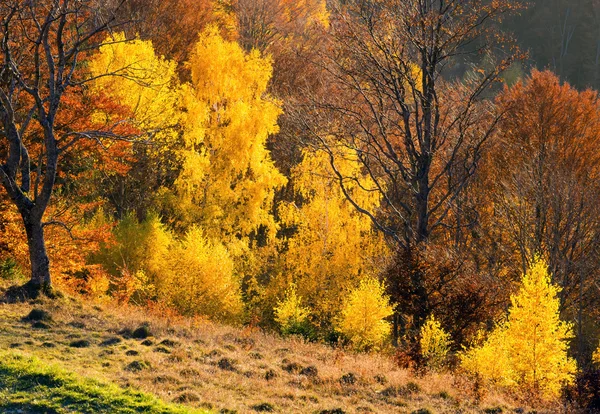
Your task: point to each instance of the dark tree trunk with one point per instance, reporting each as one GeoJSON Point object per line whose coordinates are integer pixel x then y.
{"type": "Point", "coordinates": [40, 269]}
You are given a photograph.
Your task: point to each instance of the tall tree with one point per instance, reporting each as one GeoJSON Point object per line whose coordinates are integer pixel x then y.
{"type": "Point", "coordinates": [42, 43]}
{"type": "Point", "coordinates": [228, 178]}
{"type": "Point", "coordinates": [418, 133]}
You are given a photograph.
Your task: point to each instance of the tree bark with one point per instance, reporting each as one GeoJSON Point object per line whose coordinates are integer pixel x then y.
{"type": "Point", "coordinates": [40, 263]}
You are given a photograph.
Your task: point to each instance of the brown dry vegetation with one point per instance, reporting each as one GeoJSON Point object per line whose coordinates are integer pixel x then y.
{"type": "Point", "coordinates": [202, 364]}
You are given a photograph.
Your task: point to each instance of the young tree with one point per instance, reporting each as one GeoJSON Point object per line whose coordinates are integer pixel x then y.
{"type": "Point", "coordinates": [435, 343]}
{"type": "Point", "coordinates": [42, 43]}
{"type": "Point", "coordinates": [363, 315]}
{"type": "Point", "coordinates": [529, 351]}
{"type": "Point", "coordinates": [291, 316]}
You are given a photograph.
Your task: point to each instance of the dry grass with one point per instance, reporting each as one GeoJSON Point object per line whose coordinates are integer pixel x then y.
{"type": "Point", "coordinates": [206, 365]}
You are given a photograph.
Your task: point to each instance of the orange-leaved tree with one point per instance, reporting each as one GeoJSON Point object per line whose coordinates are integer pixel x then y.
{"type": "Point", "coordinates": [42, 47]}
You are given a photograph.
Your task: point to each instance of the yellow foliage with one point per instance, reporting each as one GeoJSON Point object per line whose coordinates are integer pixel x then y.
{"type": "Point", "coordinates": [333, 245]}
{"type": "Point", "coordinates": [228, 179]}
{"type": "Point", "coordinates": [141, 81]}
{"type": "Point", "coordinates": [289, 313]}
{"type": "Point", "coordinates": [193, 275]}
{"type": "Point", "coordinates": [435, 343]}
{"type": "Point", "coordinates": [305, 12]}
{"type": "Point", "coordinates": [362, 318]}
{"type": "Point", "coordinates": [198, 278]}
{"type": "Point", "coordinates": [596, 356]}
{"type": "Point", "coordinates": [529, 351]}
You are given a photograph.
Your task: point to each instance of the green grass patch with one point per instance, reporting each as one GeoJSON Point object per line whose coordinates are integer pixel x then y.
{"type": "Point", "coordinates": [28, 386]}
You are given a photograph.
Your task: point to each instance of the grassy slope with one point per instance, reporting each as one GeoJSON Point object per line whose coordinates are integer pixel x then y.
{"type": "Point", "coordinates": [200, 365]}
{"type": "Point", "coordinates": [28, 385]}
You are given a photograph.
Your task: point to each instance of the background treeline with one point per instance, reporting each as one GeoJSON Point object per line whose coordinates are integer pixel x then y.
{"type": "Point", "coordinates": [563, 36]}
{"type": "Point", "coordinates": [328, 170]}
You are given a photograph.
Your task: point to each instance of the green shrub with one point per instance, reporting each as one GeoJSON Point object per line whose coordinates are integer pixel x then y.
{"type": "Point", "coordinates": [10, 270]}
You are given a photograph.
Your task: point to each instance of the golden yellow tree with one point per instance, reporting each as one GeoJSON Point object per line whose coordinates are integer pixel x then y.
{"type": "Point", "coordinates": [529, 350]}
{"type": "Point", "coordinates": [198, 278]}
{"type": "Point", "coordinates": [130, 72]}
{"type": "Point", "coordinates": [363, 315]}
{"type": "Point", "coordinates": [228, 179]}
{"type": "Point", "coordinates": [434, 342]}
{"type": "Point", "coordinates": [192, 274]}
{"type": "Point", "coordinates": [333, 245]}
{"type": "Point", "coordinates": [291, 316]}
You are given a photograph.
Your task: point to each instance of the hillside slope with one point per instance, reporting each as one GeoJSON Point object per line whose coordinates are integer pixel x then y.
{"type": "Point", "coordinates": [202, 366]}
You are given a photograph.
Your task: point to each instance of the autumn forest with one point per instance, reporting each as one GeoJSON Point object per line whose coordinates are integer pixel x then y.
{"type": "Point", "coordinates": [417, 179]}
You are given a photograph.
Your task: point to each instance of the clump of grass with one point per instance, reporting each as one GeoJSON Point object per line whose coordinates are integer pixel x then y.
{"type": "Point", "coordinates": [169, 343]}
{"type": "Point", "coordinates": [187, 397]}
{"type": "Point", "coordinates": [270, 374]}
{"type": "Point", "coordinates": [443, 395]}
{"type": "Point", "coordinates": [292, 368]}
{"type": "Point", "coordinates": [189, 372]}
{"type": "Point", "coordinates": [348, 379]}
{"type": "Point", "coordinates": [137, 366]}
{"type": "Point", "coordinates": [310, 371]}
{"type": "Point", "coordinates": [27, 385]}
{"type": "Point", "coordinates": [162, 350]}
{"type": "Point", "coordinates": [142, 332]}
{"type": "Point", "coordinates": [410, 388]}
{"type": "Point", "coordinates": [226, 364]}
{"type": "Point", "coordinates": [38, 315]}
{"type": "Point", "coordinates": [264, 407]}
{"type": "Point", "coordinates": [111, 341]}
{"type": "Point", "coordinates": [40, 325]}
{"type": "Point", "coordinates": [80, 343]}
{"type": "Point", "coordinates": [493, 410]}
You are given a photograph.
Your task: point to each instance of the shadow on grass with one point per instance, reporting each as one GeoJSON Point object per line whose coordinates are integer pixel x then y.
{"type": "Point", "coordinates": [27, 386]}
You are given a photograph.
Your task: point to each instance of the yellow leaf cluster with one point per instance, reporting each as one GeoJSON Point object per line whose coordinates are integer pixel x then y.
{"type": "Point", "coordinates": [194, 274]}
{"type": "Point", "coordinates": [363, 315]}
{"type": "Point", "coordinates": [228, 176]}
{"type": "Point", "coordinates": [289, 313]}
{"type": "Point", "coordinates": [198, 278]}
{"type": "Point", "coordinates": [528, 351]}
{"type": "Point", "coordinates": [434, 342]}
{"type": "Point", "coordinates": [596, 356]}
{"type": "Point", "coordinates": [134, 77]}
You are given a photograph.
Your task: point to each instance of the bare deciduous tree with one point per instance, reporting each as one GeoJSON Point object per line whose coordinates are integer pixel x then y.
{"type": "Point", "coordinates": [416, 128]}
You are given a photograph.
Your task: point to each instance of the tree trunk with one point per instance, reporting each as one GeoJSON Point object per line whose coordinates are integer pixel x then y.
{"type": "Point", "coordinates": [40, 269]}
